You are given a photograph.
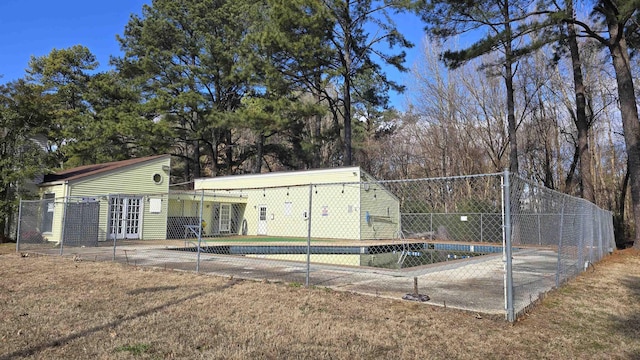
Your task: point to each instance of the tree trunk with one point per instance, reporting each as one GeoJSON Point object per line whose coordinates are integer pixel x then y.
{"type": "Point", "coordinates": [187, 168]}
{"type": "Point", "coordinates": [581, 121]}
{"type": "Point", "coordinates": [618, 226]}
{"type": "Point", "coordinates": [511, 121]}
{"type": "Point", "coordinates": [196, 159]}
{"type": "Point", "coordinates": [347, 121]}
{"type": "Point", "coordinates": [257, 168]}
{"type": "Point", "coordinates": [548, 166]}
{"type": "Point", "coordinates": [214, 152]}
{"type": "Point", "coordinates": [4, 217]}
{"type": "Point", "coordinates": [346, 95]}
{"type": "Point", "coordinates": [508, 77]}
{"type": "Point", "coordinates": [570, 183]}
{"type": "Point", "coordinates": [317, 129]}
{"type": "Point", "coordinates": [229, 151]}
{"type": "Point", "coordinates": [629, 115]}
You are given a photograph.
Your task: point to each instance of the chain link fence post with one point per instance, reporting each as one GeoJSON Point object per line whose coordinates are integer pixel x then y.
{"type": "Point", "coordinates": [199, 231]}
{"type": "Point", "coordinates": [431, 226]}
{"type": "Point", "coordinates": [611, 233]}
{"type": "Point", "coordinates": [64, 219]}
{"type": "Point", "coordinates": [559, 265]}
{"type": "Point", "coordinates": [539, 229]}
{"type": "Point", "coordinates": [599, 221]}
{"type": "Point", "coordinates": [18, 227]}
{"type": "Point", "coordinates": [308, 270]}
{"type": "Point", "coordinates": [508, 267]}
{"type": "Point", "coordinates": [592, 232]}
{"type": "Point", "coordinates": [111, 220]}
{"type": "Point", "coordinates": [481, 232]}
{"type": "Point", "coordinates": [581, 243]}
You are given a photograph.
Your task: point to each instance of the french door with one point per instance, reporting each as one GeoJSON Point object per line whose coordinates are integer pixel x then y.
{"type": "Point", "coordinates": [125, 217]}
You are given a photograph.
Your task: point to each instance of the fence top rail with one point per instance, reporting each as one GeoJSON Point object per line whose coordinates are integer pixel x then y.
{"type": "Point", "coordinates": [553, 192]}
{"type": "Point", "coordinates": [442, 178]}
{"type": "Point", "coordinates": [497, 213]}
{"type": "Point", "coordinates": [231, 190]}
{"type": "Point", "coordinates": [206, 192]}
{"type": "Point", "coordinates": [33, 201]}
{"type": "Point", "coordinates": [451, 213]}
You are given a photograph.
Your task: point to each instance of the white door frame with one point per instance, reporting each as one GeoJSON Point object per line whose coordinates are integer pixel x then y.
{"type": "Point", "coordinates": [133, 216]}
{"type": "Point", "coordinates": [125, 219]}
{"type": "Point", "coordinates": [224, 220]}
{"type": "Point", "coordinates": [262, 220]}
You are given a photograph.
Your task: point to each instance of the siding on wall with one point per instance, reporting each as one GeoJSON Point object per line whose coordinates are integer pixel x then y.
{"type": "Point", "coordinates": [338, 212]}
{"type": "Point", "coordinates": [278, 223]}
{"type": "Point", "coordinates": [380, 211]}
{"type": "Point", "coordinates": [136, 180]}
{"type": "Point", "coordinates": [293, 178]}
{"type": "Point", "coordinates": [287, 199]}
{"type": "Point", "coordinates": [334, 212]}
{"type": "Point", "coordinates": [184, 208]}
{"type": "Point", "coordinates": [58, 211]}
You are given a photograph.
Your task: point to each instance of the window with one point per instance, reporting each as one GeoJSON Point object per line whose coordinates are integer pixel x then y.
{"type": "Point", "coordinates": [48, 206]}
{"type": "Point", "coordinates": [157, 178]}
{"type": "Point", "coordinates": [225, 217]}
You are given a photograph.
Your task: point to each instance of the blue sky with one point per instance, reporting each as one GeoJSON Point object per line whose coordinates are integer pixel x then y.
{"type": "Point", "coordinates": [35, 27]}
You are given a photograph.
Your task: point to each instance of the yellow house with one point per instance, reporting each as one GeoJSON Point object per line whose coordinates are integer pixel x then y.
{"type": "Point", "coordinates": [346, 203]}
{"type": "Point", "coordinates": [117, 200]}
{"type": "Point", "coordinates": [131, 199]}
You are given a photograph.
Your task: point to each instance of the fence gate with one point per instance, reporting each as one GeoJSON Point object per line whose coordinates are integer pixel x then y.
{"type": "Point", "coordinates": [81, 224]}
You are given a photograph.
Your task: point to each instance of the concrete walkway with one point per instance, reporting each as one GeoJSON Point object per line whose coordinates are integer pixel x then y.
{"type": "Point", "coordinates": [475, 284]}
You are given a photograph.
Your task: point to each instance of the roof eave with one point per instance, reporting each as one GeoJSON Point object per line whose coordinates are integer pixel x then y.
{"type": "Point", "coordinates": [281, 174]}
{"type": "Point", "coordinates": [53, 183]}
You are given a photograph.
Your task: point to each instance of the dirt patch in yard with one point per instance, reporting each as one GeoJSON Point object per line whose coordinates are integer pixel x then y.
{"type": "Point", "coordinates": [52, 307]}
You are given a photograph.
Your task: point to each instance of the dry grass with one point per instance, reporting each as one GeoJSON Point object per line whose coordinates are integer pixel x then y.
{"type": "Point", "coordinates": [55, 308]}
{"type": "Point", "coordinates": [7, 248]}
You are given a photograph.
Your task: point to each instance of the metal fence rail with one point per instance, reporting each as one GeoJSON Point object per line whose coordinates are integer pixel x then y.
{"type": "Point", "coordinates": [490, 243]}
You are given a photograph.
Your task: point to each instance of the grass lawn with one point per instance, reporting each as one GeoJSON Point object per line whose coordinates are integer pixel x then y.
{"type": "Point", "coordinates": [7, 248]}
{"type": "Point", "coordinates": [53, 308]}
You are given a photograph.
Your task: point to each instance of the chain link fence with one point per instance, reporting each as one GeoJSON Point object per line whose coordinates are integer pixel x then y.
{"type": "Point", "coordinates": [554, 238]}
{"type": "Point", "coordinates": [43, 223]}
{"type": "Point", "coordinates": [488, 243]}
